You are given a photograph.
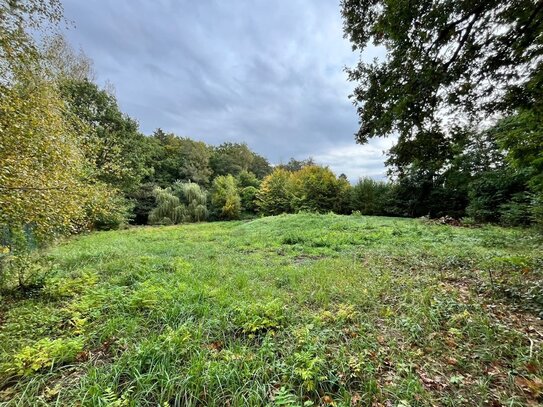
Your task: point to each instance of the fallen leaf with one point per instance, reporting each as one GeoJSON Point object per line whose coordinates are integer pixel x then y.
{"type": "Point", "coordinates": [327, 400]}
{"type": "Point", "coordinates": [355, 399]}
{"type": "Point", "coordinates": [532, 367]}
{"type": "Point", "coordinates": [450, 342]}
{"type": "Point", "coordinates": [451, 361]}
{"type": "Point", "coordinates": [215, 346]}
{"type": "Point", "coordinates": [532, 386]}
{"type": "Point", "coordinates": [82, 356]}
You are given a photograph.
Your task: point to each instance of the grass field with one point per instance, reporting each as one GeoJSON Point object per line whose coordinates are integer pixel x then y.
{"type": "Point", "coordinates": [293, 310]}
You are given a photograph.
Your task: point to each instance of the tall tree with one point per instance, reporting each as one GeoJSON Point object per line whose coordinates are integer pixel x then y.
{"type": "Point", "coordinates": [31, 189]}
{"type": "Point", "coordinates": [45, 185]}
{"type": "Point", "coordinates": [42, 165]}
{"type": "Point", "coordinates": [521, 136]}
{"type": "Point", "coordinates": [112, 141]}
{"type": "Point", "coordinates": [18, 51]}
{"type": "Point", "coordinates": [260, 166]}
{"type": "Point", "coordinates": [274, 196]}
{"type": "Point", "coordinates": [63, 62]}
{"type": "Point", "coordinates": [315, 188]}
{"type": "Point", "coordinates": [194, 157]}
{"type": "Point", "coordinates": [296, 165]}
{"type": "Point", "coordinates": [181, 158]}
{"type": "Point", "coordinates": [445, 60]}
{"type": "Point", "coordinates": [232, 158]}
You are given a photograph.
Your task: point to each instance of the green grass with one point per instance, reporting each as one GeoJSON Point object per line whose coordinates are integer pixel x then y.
{"type": "Point", "coordinates": [293, 310]}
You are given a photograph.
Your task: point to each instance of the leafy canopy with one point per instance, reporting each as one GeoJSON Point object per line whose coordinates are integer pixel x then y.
{"type": "Point", "coordinates": [233, 158]}
{"type": "Point", "coordinates": [180, 158]}
{"type": "Point", "coordinates": [113, 144]}
{"type": "Point", "coordinates": [445, 60]}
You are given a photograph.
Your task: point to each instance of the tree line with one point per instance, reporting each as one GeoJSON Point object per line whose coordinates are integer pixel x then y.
{"type": "Point", "coordinates": [73, 161]}
{"type": "Point", "coordinates": [461, 88]}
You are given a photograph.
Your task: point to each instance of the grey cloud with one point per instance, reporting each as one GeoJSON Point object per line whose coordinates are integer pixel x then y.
{"type": "Point", "coordinates": [266, 72]}
{"type": "Point", "coordinates": [357, 161]}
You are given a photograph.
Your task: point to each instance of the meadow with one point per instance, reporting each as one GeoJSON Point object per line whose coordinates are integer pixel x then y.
{"type": "Point", "coordinates": [290, 310]}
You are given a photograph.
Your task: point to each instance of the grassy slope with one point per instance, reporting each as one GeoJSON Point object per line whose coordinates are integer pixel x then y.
{"type": "Point", "coordinates": [280, 311]}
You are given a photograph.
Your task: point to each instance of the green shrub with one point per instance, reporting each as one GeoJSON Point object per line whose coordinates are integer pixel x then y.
{"type": "Point", "coordinates": [248, 199]}
{"type": "Point", "coordinates": [495, 194]}
{"type": "Point", "coordinates": [342, 204]}
{"type": "Point", "coordinates": [18, 266]}
{"type": "Point", "coordinates": [61, 286]}
{"type": "Point", "coordinates": [169, 209]}
{"type": "Point", "coordinates": [369, 197]}
{"type": "Point", "coordinates": [225, 199]}
{"type": "Point", "coordinates": [537, 209]}
{"type": "Point", "coordinates": [43, 354]}
{"type": "Point", "coordinates": [316, 189]}
{"type": "Point", "coordinates": [518, 211]}
{"type": "Point", "coordinates": [521, 136]}
{"type": "Point", "coordinates": [258, 318]}
{"type": "Point", "coordinates": [274, 196]}
{"type": "Point", "coordinates": [150, 295]}
{"type": "Point", "coordinates": [309, 368]}
{"type": "Point", "coordinates": [294, 238]}
{"type": "Point", "coordinates": [114, 213]}
{"type": "Point", "coordinates": [185, 202]}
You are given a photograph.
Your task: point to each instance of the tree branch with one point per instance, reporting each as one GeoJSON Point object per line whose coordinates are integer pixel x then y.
{"type": "Point", "coordinates": [461, 43]}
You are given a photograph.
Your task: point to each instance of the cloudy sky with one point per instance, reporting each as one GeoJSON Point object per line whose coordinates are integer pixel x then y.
{"type": "Point", "coordinates": [266, 72]}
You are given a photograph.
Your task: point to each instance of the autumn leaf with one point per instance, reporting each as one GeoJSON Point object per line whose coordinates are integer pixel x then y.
{"type": "Point", "coordinates": [451, 361]}
{"type": "Point", "coordinates": [328, 401]}
{"type": "Point", "coordinates": [532, 386]}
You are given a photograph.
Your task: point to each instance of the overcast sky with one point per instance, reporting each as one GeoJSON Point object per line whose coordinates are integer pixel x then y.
{"type": "Point", "coordinates": [266, 72]}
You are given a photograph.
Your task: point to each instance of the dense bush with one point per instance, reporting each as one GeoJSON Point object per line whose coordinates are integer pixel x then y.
{"type": "Point", "coordinates": [317, 189]}
{"type": "Point", "coordinates": [143, 200]}
{"type": "Point", "coordinates": [274, 195]}
{"type": "Point", "coordinates": [312, 188]}
{"type": "Point", "coordinates": [248, 199]}
{"type": "Point", "coordinates": [370, 197]}
{"type": "Point", "coordinates": [521, 136]}
{"type": "Point", "coordinates": [248, 184]}
{"type": "Point", "coordinates": [518, 211]}
{"type": "Point", "coordinates": [16, 244]}
{"type": "Point", "coordinates": [343, 203]}
{"type": "Point", "coordinates": [225, 199]}
{"type": "Point", "coordinates": [491, 196]}
{"type": "Point", "coordinates": [184, 202]}
{"type": "Point", "coordinates": [110, 211]}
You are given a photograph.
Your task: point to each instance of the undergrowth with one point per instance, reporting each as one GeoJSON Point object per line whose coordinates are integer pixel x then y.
{"type": "Point", "coordinates": [293, 310]}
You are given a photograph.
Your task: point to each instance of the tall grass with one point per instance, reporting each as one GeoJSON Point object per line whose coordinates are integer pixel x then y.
{"type": "Point", "coordinates": [289, 310]}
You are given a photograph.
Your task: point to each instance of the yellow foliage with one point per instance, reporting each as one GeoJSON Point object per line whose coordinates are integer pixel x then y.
{"type": "Point", "coordinates": [42, 166]}
{"type": "Point", "coordinates": [46, 184]}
